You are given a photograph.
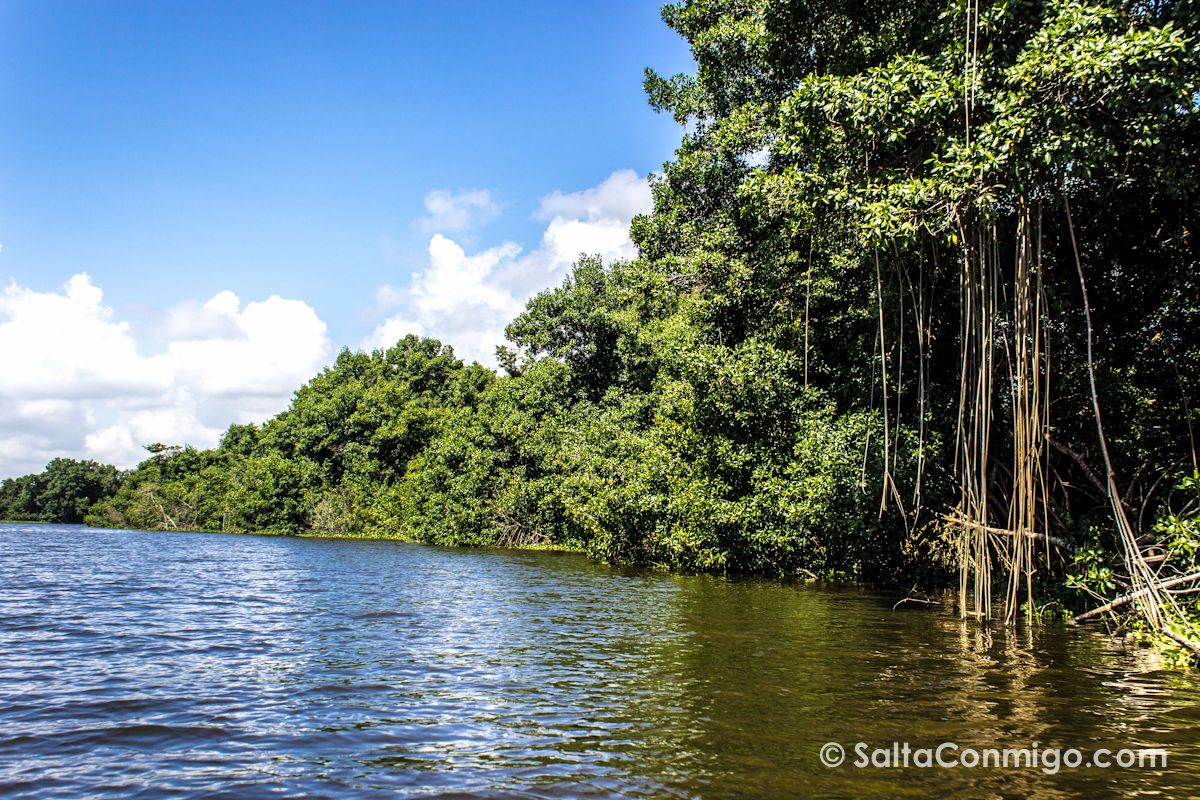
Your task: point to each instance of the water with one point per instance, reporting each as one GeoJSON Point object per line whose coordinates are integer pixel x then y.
{"type": "Point", "coordinates": [138, 665]}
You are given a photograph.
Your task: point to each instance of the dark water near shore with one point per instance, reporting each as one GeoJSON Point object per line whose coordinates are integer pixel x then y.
{"type": "Point", "coordinates": [201, 665]}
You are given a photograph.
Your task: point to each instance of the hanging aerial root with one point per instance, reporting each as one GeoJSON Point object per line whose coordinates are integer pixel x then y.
{"type": "Point", "coordinates": [1153, 604]}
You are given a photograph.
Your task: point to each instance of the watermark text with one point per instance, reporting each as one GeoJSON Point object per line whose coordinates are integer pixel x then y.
{"type": "Point", "coordinates": [949, 755]}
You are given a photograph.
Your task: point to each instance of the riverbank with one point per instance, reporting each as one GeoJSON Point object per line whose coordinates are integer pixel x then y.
{"type": "Point", "coordinates": [534, 546]}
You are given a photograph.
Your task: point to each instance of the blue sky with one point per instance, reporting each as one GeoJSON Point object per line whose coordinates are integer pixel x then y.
{"type": "Point", "coordinates": [358, 159]}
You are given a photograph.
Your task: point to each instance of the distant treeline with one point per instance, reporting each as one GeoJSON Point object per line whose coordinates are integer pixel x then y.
{"type": "Point", "coordinates": [892, 274]}
{"type": "Point", "coordinates": [63, 492]}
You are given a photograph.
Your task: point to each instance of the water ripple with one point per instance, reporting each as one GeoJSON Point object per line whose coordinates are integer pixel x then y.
{"type": "Point", "coordinates": [206, 666]}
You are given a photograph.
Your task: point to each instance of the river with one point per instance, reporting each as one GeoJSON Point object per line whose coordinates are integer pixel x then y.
{"type": "Point", "coordinates": [192, 665]}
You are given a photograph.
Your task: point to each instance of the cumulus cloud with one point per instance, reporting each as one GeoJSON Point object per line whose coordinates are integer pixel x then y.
{"type": "Point", "coordinates": [466, 300]}
{"type": "Point", "coordinates": [456, 299]}
{"type": "Point", "coordinates": [457, 212]}
{"type": "Point", "coordinates": [66, 345]}
{"type": "Point", "coordinates": [76, 382]}
{"type": "Point", "coordinates": [622, 196]}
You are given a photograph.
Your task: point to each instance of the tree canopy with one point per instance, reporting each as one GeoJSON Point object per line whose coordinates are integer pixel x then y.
{"type": "Point", "coordinates": [63, 492]}
{"type": "Point", "coordinates": [919, 294]}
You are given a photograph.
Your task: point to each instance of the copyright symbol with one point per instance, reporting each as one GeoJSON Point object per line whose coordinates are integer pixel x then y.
{"type": "Point", "coordinates": [832, 754]}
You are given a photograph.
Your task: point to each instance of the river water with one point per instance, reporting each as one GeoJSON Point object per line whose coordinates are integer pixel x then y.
{"type": "Point", "coordinates": [158, 665]}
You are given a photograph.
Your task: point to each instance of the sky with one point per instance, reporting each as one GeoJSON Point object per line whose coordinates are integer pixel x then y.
{"type": "Point", "coordinates": [201, 203]}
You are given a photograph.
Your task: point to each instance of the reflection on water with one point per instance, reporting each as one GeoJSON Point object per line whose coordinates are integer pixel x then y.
{"type": "Point", "coordinates": [202, 665]}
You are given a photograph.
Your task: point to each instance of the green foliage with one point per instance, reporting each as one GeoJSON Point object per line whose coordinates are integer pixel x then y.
{"type": "Point", "coordinates": [330, 463]}
{"type": "Point", "coordinates": [1092, 570]}
{"type": "Point", "coordinates": [772, 386]}
{"type": "Point", "coordinates": [1177, 547]}
{"type": "Point", "coordinates": [592, 323]}
{"type": "Point", "coordinates": [494, 474]}
{"type": "Point", "coordinates": [1178, 535]}
{"type": "Point", "coordinates": [63, 492]}
{"type": "Point", "coordinates": [838, 152]}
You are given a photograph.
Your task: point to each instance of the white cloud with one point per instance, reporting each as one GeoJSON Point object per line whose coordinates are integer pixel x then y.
{"type": "Point", "coordinates": [390, 296]}
{"type": "Point", "coordinates": [278, 345]}
{"type": "Point", "coordinates": [565, 239]}
{"type": "Point", "coordinates": [466, 300]}
{"type": "Point", "coordinates": [74, 381]}
{"type": "Point", "coordinates": [621, 196]}
{"type": "Point", "coordinates": [456, 299]}
{"type": "Point", "coordinates": [391, 331]}
{"type": "Point", "coordinates": [65, 345]}
{"type": "Point", "coordinates": [457, 212]}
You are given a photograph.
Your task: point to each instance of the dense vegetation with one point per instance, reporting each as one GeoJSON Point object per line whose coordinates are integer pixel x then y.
{"type": "Point", "coordinates": [63, 492]}
{"type": "Point", "coordinates": [920, 292]}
